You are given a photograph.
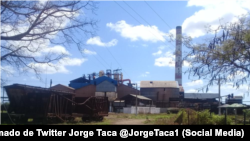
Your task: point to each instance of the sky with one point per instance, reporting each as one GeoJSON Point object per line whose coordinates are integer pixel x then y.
{"type": "Point", "coordinates": [133, 36]}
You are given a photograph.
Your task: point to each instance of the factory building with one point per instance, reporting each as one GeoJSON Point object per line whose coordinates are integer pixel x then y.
{"type": "Point", "coordinates": [234, 99]}
{"type": "Point", "coordinates": [103, 84]}
{"type": "Point", "coordinates": [64, 88]}
{"type": "Point", "coordinates": [163, 93]}
{"type": "Point", "coordinates": [200, 101]}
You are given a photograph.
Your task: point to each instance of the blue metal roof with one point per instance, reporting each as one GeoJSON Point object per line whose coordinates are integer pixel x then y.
{"type": "Point", "coordinates": [96, 81]}
{"type": "Point", "coordinates": [103, 78]}
{"type": "Point", "coordinates": [78, 85]}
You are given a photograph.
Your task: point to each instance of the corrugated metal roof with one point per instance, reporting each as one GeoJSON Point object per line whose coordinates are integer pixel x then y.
{"type": "Point", "coordinates": [201, 95]}
{"type": "Point", "coordinates": [140, 97]}
{"type": "Point", "coordinates": [159, 84]}
{"type": "Point", "coordinates": [63, 86]}
{"type": "Point", "coordinates": [37, 88]}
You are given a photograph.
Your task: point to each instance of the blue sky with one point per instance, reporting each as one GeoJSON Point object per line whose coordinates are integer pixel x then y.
{"type": "Point", "coordinates": [132, 37]}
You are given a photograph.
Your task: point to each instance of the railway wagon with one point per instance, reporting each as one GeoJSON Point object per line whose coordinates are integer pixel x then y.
{"type": "Point", "coordinates": [48, 104]}
{"type": "Point", "coordinates": [91, 108]}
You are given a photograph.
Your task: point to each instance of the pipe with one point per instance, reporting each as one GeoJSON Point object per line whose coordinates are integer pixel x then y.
{"type": "Point", "coordinates": [125, 80]}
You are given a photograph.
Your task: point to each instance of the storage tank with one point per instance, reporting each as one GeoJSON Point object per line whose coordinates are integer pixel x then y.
{"type": "Point", "coordinates": [116, 77]}
{"type": "Point", "coordinates": [101, 73]}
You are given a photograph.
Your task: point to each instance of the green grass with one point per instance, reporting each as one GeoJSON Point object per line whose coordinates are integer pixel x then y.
{"type": "Point", "coordinates": [78, 121]}
{"type": "Point", "coordinates": [155, 119]}
{"type": "Point", "coordinates": [162, 118]}
{"type": "Point", "coordinates": [144, 116]}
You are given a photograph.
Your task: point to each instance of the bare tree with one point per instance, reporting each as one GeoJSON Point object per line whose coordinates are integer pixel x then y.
{"type": "Point", "coordinates": [225, 57]}
{"type": "Point", "coordinates": [30, 28]}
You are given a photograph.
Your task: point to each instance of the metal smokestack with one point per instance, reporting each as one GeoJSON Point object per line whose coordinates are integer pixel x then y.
{"type": "Point", "coordinates": [178, 56]}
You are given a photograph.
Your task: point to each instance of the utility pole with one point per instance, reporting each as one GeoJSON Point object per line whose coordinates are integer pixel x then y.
{"type": "Point", "coordinates": [136, 99]}
{"type": "Point", "coordinates": [136, 102]}
{"type": "Point", "coordinates": [219, 96]}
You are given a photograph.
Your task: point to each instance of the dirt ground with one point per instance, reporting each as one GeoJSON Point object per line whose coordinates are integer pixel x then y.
{"type": "Point", "coordinates": [129, 122]}
{"type": "Point", "coordinates": [124, 121]}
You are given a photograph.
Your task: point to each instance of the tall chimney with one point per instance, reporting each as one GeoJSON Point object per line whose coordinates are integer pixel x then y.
{"type": "Point", "coordinates": [178, 56]}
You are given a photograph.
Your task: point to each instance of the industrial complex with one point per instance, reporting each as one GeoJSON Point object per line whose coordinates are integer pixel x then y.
{"type": "Point", "coordinates": [151, 97]}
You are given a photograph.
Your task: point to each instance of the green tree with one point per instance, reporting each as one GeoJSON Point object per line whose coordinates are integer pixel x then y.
{"type": "Point", "coordinates": [225, 56]}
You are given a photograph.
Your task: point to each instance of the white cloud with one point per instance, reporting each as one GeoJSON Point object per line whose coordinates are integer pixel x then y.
{"type": "Point", "coordinates": [56, 50]}
{"type": "Point", "coordinates": [172, 33]}
{"type": "Point", "coordinates": [195, 83]}
{"type": "Point", "coordinates": [138, 32]}
{"type": "Point", "coordinates": [211, 13]}
{"type": "Point", "coordinates": [97, 41]}
{"type": "Point", "coordinates": [145, 74]}
{"type": "Point", "coordinates": [85, 51]}
{"type": "Point", "coordinates": [71, 61]}
{"type": "Point", "coordinates": [157, 53]}
{"type": "Point", "coordinates": [191, 91]}
{"type": "Point", "coordinates": [59, 67]}
{"type": "Point", "coordinates": [186, 64]}
{"type": "Point", "coordinates": [8, 71]}
{"type": "Point", "coordinates": [162, 47]}
{"type": "Point", "coordinates": [42, 1]}
{"type": "Point", "coordinates": [166, 60]}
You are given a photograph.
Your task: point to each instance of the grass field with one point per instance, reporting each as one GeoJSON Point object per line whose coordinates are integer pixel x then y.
{"type": "Point", "coordinates": [132, 119]}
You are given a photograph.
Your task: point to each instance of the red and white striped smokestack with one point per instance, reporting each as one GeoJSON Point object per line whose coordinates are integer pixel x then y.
{"type": "Point", "coordinates": [178, 56]}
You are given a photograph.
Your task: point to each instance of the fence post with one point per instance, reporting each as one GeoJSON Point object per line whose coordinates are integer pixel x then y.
{"type": "Point", "coordinates": [188, 117]}
{"type": "Point", "coordinates": [244, 118]}
{"type": "Point", "coordinates": [225, 116]}
{"type": "Point", "coordinates": [198, 118]}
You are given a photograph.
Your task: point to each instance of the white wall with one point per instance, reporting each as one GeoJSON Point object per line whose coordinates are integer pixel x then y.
{"type": "Point", "coordinates": [144, 110]}
{"type": "Point", "coordinates": [111, 95]}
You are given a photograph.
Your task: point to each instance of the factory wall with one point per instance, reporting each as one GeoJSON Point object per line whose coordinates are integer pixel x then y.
{"type": "Point", "coordinates": [86, 91]}
{"type": "Point", "coordinates": [123, 90]}
{"type": "Point", "coordinates": [160, 94]}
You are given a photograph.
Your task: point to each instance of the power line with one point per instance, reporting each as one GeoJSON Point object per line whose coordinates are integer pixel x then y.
{"type": "Point", "coordinates": [117, 61]}
{"type": "Point", "coordinates": [157, 15]}
{"type": "Point", "coordinates": [127, 12]}
{"type": "Point", "coordinates": [100, 62]}
{"type": "Point", "coordinates": [138, 15]}
{"type": "Point", "coordinates": [100, 56]}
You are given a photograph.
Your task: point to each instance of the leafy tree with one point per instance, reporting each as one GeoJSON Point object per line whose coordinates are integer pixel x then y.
{"type": "Point", "coordinates": [226, 56]}
{"type": "Point", "coordinates": [30, 28]}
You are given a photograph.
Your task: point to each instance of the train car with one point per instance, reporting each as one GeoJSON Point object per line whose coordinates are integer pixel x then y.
{"type": "Point", "coordinates": [49, 104]}
{"type": "Point", "coordinates": [91, 108]}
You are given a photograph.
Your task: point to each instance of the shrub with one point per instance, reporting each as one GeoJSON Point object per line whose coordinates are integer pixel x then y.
{"type": "Point", "coordinates": [191, 117]}
{"type": "Point", "coordinates": [220, 120]}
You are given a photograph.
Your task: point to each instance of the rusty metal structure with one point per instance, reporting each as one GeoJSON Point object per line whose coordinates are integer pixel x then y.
{"type": "Point", "coordinates": [46, 104]}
